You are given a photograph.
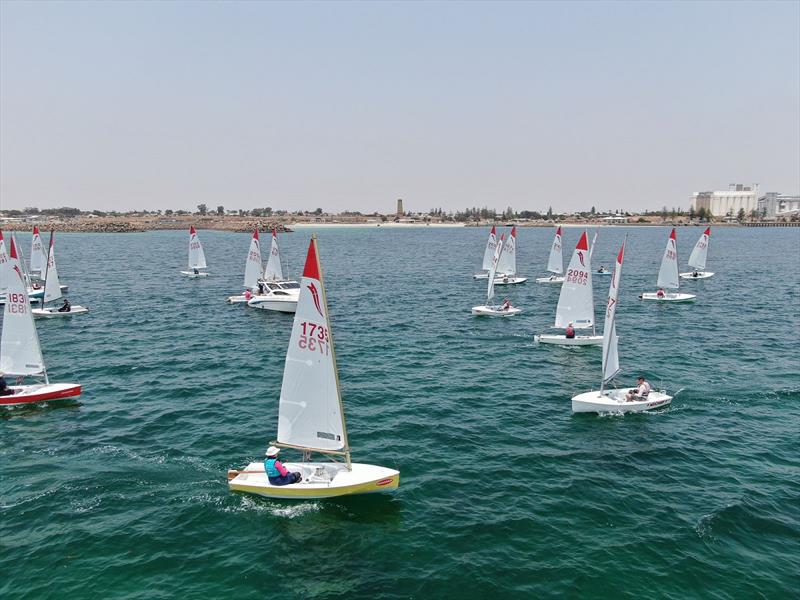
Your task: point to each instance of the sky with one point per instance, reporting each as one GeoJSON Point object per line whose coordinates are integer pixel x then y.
{"type": "Point", "coordinates": [351, 105]}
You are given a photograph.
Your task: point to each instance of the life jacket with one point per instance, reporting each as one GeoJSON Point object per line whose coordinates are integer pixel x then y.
{"type": "Point", "coordinates": [270, 468]}
{"type": "Point", "coordinates": [570, 332]}
{"type": "Point", "coordinates": [646, 391]}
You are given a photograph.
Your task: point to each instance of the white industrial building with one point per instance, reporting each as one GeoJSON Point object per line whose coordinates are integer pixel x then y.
{"type": "Point", "coordinates": [773, 205]}
{"type": "Point", "coordinates": [727, 202]}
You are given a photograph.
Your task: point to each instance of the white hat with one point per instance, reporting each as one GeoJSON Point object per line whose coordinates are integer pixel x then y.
{"type": "Point", "coordinates": [273, 451]}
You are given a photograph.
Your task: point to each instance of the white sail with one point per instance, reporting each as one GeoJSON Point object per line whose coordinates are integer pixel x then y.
{"type": "Point", "coordinates": [19, 259]}
{"type": "Point", "coordinates": [310, 413]}
{"type": "Point", "coordinates": [507, 264]}
{"type": "Point", "coordinates": [38, 255]}
{"type": "Point", "coordinates": [488, 254]}
{"type": "Point", "coordinates": [52, 286]}
{"type": "Point", "coordinates": [555, 263]}
{"type": "Point", "coordinates": [20, 353]}
{"type": "Point", "coordinates": [576, 302]}
{"type": "Point", "coordinates": [197, 258]}
{"type": "Point", "coordinates": [493, 269]}
{"type": "Point", "coordinates": [668, 273]}
{"type": "Point", "coordinates": [273, 270]}
{"type": "Point", "coordinates": [4, 265]}
{"type": "Point", "coordinates": [591, 248]}
{"type": "Point", "coordinates": [697, 258]}
{"type": "Point", "coordinates": [610, 339]}
{"type": "Point", "coordinates": [252, 268]}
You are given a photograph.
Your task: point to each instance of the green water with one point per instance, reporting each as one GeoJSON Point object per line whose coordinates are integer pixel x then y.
{"type": "Point", "coordinates": [504, 492]}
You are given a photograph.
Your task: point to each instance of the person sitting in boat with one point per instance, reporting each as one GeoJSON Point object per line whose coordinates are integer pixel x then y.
{"type": "Point", "coordinates": [66, 307]}
{"type": "Point", "coordinates": [570, 332]}
{"type": "Point", "coordinates": [505, 305]}
{"type": "Point", "coordinates": [276, 472]}
{"type": "Point", "coordinates": [660, 293]}
{"type": "Point", "coordinates": [248, 294]}
{"type": "Point", "coordinates": [695, 273]}
{"type": "Point", "coordinates": [602, 269]}
{"type": "Point", "coordinates": [260, 288]}
{"type": "Point", "coordinates": [4, 389]}
{"type": "Point", "coordinates": [640, 392]}
{"type": "Point", "coordinates": [196, 271]}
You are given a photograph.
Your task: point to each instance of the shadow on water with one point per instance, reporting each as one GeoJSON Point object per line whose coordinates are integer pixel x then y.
{"type": "Point", "coordinates": [38, 408]}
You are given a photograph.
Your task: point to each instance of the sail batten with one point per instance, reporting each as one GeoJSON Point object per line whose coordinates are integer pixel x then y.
{"type": "Point", "coordinates": [576, 302]}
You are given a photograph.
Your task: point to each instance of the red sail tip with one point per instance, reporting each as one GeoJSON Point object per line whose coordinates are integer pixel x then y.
{"type": "Point", "coordinates": [583, 243]}
{"type": "Point", "coordinates": [191, 230]}
{"type": "Point", "coordinates": [311, 270]}
{"type": "Point", "coordinates": [13, 250]}
{"type": "Point", "coordinates": [255, 234]}
{"type": "Point", "coordinates": [1, 235]}
{"type": "Point", "coordinates": [274, 232]}
{"type": "Point", "coordinates": [621, 255]}
{"type": "Point", "coordinates": [708, 230]}
{"type": "Point", "coordinates": [514, 231]}
{"type": "Point", "coordinates": [672, 235]}
{"type": "Point", "coordinates": [558, 231]}
{"type": "Point", "coordinates": [494, 230]}
{"type": "Point", "coordinates": [35, 230]}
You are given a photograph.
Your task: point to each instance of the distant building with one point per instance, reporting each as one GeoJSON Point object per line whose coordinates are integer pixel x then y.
{"type": "Point", "coordinates": [773, 205]}
{"type": "Point", "coordinates": [616, 219]}
{"type": "Point", "coordinates": [730, 201]}
{"type": "Point", "coordinates": [400, 211]}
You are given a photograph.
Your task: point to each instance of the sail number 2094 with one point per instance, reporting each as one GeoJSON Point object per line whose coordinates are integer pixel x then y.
{"type": "Point", "coordinates": [314, 338]}
{"type": "Point", "coordinates": [577, 276]}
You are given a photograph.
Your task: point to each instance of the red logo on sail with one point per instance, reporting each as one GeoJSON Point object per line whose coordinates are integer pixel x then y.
{"type": "Point", "coordinates": [315, 294]}
{"type": "Point", "coordinates": [580, 257]}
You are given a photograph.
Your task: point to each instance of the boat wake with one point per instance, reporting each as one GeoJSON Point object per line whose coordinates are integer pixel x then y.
{"type": "Point", "coordinates": [286, 511]}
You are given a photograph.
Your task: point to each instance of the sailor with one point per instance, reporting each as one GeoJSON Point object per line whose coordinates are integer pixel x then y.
{"type": "Point", "coordinates": [4, 389]}
{"type": "Point", "coordinates": [66, 307]}
{"type": "Point", "coordinates": [660, 293]}
{"type": "Point", "coordinates": [196, 271]}
{"type": "Point", "coordinates": [248, 294]}
{"type": "Point", "coordinates": [640, 392]}
{"type": "Point", "coordinates": [602, 269]}
{"type": "Point", "coordinates": [695, 273]}
{"type": "Point", "coordinates": [276, 472]}
{"type": "Point", "coordinates": [505, 305]}
{"type": "Point", "coordinates": [570, 332]}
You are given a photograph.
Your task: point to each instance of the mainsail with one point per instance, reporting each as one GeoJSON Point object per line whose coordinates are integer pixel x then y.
{"type": "Point", "coordinates": [488, 254]}
{"type": "Point", "coordinates": [610, 339]}
{"type": "Point", "coordinates": [576, 303]}
{"type": "Point", "coordinates": [4, 271]}
{"type": "Point", "coordinates": [555, 263]}
{"type": "Point", "coordinates": [52, 286]}
{"type": "Point", "coordinates": [697, 258]}
{"type": "Point", "coordinates": [20, 353]}
{"type": "Point", "coordinates": [274, 271]}
{"type": "Point", "coordinates": [493, 269]}
{"type": "Point", "coordinates": [252, 268]}
{"type": "Point", "coordinates": [310, 413]}
{"type": "Point", "coordinates": [668, 273]}
{"type": "Point", "coordinates": [38, 255]}
{"type": "Point", "coordinates": [197, 258]}
{"type": "Point", "coordinates": [507, 264]}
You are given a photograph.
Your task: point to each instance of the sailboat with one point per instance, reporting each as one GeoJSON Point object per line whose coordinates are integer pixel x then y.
{"type": "Point", "coordinates": [20, 353]}
{"type": "Point", "coordinates": [668, 276]}
{"type": "Point", "coordinates": [252, 270]}
{"type": "Point", "coordinates": [576, 301]}
{"type": "Point", "coordinates": [310, 411]}
{"type": "Point", "coordinates": [197, 258]}
{"type": "Point", "coordinates": [507, 263]}
{"type": "Point", "coordinates": [555, 262]}
{"type": "Point", "coordinates": [275, 292]}
{"type": "Point", "coordinates": [488, 254]}
{"type": "Point", "coordinates": [697, 259]}
{"type": "Point", "coordinates": [52, 290]}
{"type": "Point", "coordinates": [38, 255]}
{"type": "Point", "coordinates": [614, 400]}
{"type": "Point", "coordinates": [490, 310]}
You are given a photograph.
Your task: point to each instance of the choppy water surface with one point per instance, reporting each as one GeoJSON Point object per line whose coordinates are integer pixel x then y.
{"type": "Point", "coordinates": [503, 491]}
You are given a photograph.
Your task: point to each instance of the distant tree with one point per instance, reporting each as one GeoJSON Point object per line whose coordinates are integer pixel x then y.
{"type": "Point", "coordinates": [220, 210]}
{"type": "Point", "coordinates": [691, 213]}
{"type": "Point", "coordinates": [168, 211]}
{"type": "Point", "coordinates": [182, 212]}
{"type": "Point", "coordinates": [592, 211]}
{"type": "Point", "coordinates": [701, 213]}
{"type": "Point", "coordinates": [318, 212]}
{"type": "Point", "coordinates": [741, 215]}
{"type": "Point", "coordinates": [202, 209]}
{"type": "Point", "coordinates": [709, 215]}
{"type": "Point", "coordinates": [664, 213]}
{"type": "Point", "coordinates": [31, 210]}
{"type": "Point", "coordinates": [550, 212]}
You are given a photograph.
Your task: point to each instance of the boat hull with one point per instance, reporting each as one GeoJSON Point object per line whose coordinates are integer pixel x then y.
{"type": "Point", "coordinates": [237, 299]}
{"type": "Point", "coordinates": [320, 480]}
{"type": "Point", "coordinates": [613, 401]}
{"type": "Point", "coordinates": [276, 303]}
{"type": "Point", "coordinates": [668, 297]}
{"type": "Point", "coordinates": [485, 275]}
{"type": "Point", "coordinates": [31, 394]}
{"type": "Point", "coordinates": [563, 340]}
{"type": "Point", "coordinates": [700, 275]}
{"type": "Point", "coordinates": [53, 311]}
{"type": "Point", "coordinates": [494, 311]}
{"type": "Point", "coordinates": [192, 275]}
{"type": "Point", "coordinates": [551, 279]}
{"type": "Point", "coordinates": [509, 280]}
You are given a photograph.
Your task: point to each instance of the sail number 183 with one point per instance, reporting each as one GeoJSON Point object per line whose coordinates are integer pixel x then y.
{"type": "Point", "coordinates": [314, 338]}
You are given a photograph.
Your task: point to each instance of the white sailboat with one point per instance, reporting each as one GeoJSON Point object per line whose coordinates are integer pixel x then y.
{"type": "Point", "coordinates": [275, 292]}
{"type": "Point", "coordinates": [555, 262]}
{"type": "Point", "coordinates": [491, 310]}
{"type": "Point", "coordinates": [38, 255]}
{"type": "Point", "coordinates": [488, 254]}
{"type": "Point", "coordinates": [615, 400]}
{"type": "Point", "coordinates": [668, 276]}
{"type": "Point", "coordinates": [197, 258]}
{"type": "Point", "coordinates": [20, 353]}
{"type": "Point", "coordinates": [576, 301]}
{"type": "Point", "coordinates": [507, 263]}
{"type": "Point", "coordinates": [698, 257]}
{"type": "Point", "coordinates": [252, 271]}
{"type": "Point", "coordinates": [310, 412]}
{"type": "Point", "coordinates": [52, 290]}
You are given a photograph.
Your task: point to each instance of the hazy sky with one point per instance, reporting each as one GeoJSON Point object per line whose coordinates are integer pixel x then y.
{"type": "Point", "coordinates": [350, 105]}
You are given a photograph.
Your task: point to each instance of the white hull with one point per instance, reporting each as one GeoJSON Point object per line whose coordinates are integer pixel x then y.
{"type": "Point", "coordinates": [668, 297]}
{"type": "Point", "coordinates": [563, 340]}
{"type": "Point", "coordinates": [509, 280]}
{"type": "Point", "coordinates": [613, 401]}
{"type": "Point", "coordinates": [237, 299]}
{"type": "Point", "coordinates": [494, 311]}
{"type": "Point", "coordinates": [700, 275]}
{"type": "Point", "coordinates": [497, 278]}
{"type": "Point", "coordinates": [551, 279]}
{"type": "Point", "coordinates": [52, 311]}
{"type": "Point", "coordinates": [320, 480]}
{"type": "Point", "coordinates": [193, 275]}
{"type": "Point", "coordinates": [601, 273]}
{"type": "Point", "coordinates": [277, 303]}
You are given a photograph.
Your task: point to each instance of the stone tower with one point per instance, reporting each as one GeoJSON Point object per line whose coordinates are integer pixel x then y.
{"type": "Point", "coordinates": [400, 211]}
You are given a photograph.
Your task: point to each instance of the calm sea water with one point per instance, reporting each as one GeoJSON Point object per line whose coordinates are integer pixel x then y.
{"type": "Point", "coordinates": [503, 490]}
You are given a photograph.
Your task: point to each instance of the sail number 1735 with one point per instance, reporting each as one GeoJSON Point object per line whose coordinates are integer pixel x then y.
{"type": "Point", "coordinates": [314, 338]}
